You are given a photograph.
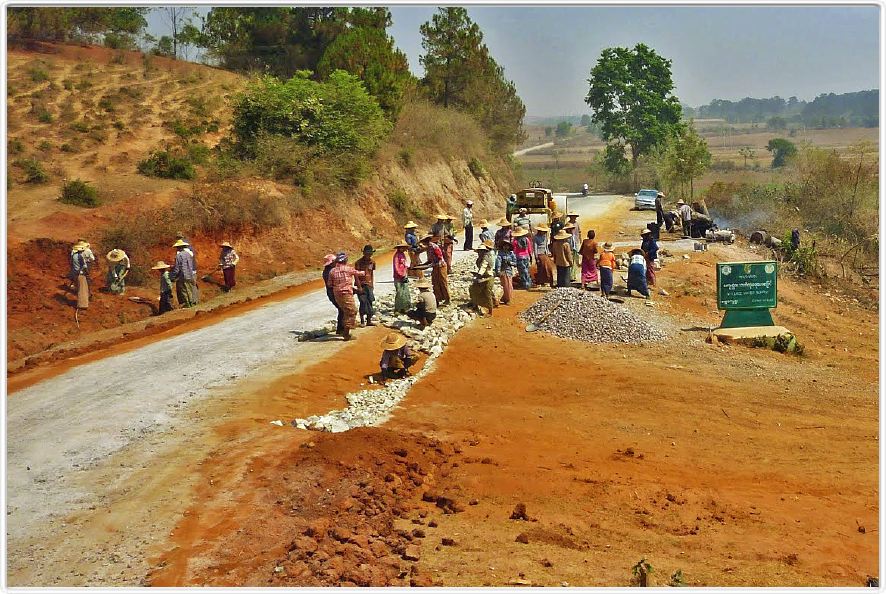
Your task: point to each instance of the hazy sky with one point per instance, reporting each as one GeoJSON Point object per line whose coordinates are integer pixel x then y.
{"type": "Point", "coordinates": [717, 52]}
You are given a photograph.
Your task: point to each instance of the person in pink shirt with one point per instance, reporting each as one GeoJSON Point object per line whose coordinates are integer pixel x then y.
{"type": "Point", "coordinates": [523, 254]}
{"type": "Point", "coordinates": [341, 281]}
{"type": "Point", "coordinates": [401, 289]}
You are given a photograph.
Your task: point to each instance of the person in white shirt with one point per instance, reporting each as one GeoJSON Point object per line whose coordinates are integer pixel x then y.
{"type": "Point", "coordinates": [467, 219]}
{"type": "Point", "coordinates": [685, 212]}
{"type": "Point", "coordinates": [637, 274]}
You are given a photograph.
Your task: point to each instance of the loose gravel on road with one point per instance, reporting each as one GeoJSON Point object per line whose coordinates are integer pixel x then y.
{"type": "Point", "coordinates": [581, 315]}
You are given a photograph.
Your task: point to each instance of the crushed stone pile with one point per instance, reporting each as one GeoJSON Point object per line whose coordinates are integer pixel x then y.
{"type": "Point", "coordinates": [585, 316]}
{"type": "Point", "coordinates": [373, 407]}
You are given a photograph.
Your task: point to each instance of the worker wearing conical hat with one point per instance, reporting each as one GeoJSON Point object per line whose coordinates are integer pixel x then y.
{"type": "Point", "coordinates": [545, 272]}
{"type": "Point", "coordinates": [425, 311]}
{"type": "Point", "coordinates": [184, 273]}
{"type": "Point", "coordinates": [563, 258]}
{"type": "Point", "coordinates": [80, 263]}
{"type": "Point", "coordinates": [396, 358]}
{"type": "Point", "coordinates": [227, 262]}
{"type": "Point", "coordinates": [413, 250]}
{"type": "Point", "coordinates": [341, 280]}
{"type": "Point", "coordinates": [401, 280]}
{"type": "Point", "coordinates": [504, 233]}
{"type": "Point", "coordinates": [485, 235]}
{"type": "Point", "coordinates": [165, 287]}
{"type": "Point", "coordinates": [437, 263]}
{"type": "Point", "coordinates": [481, 292]}
{"type": "Point", "coordinates": [118, 268]}
{"type": "Point", "coordinates": [467, 219]}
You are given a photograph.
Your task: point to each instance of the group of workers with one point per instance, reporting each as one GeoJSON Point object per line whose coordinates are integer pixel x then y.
{"type": "Point", "coordinates": [182, 275]}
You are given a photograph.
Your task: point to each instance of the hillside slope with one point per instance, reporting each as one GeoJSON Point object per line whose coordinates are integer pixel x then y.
{"type": "Point", "coordinates": [129, 106]}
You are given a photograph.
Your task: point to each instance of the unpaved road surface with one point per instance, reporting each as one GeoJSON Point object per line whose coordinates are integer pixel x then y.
{"type": "Point", "coordinates": [160, 466]}
{"type": "Point", "coordinates": [75, 422]}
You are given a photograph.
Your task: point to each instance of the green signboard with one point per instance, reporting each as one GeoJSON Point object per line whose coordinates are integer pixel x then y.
{"type": "Point", "coordinates": [747, 290]}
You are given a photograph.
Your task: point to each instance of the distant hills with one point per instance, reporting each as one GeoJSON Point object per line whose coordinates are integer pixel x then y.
{"type": "Point", "coordinates": [828, 110]}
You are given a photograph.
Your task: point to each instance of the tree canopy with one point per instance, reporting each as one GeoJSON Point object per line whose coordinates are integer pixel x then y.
{"type": "Point", "coordinates": [66, 24]}
{"type": "Point", "coordinates": [781, 149]}
{"type": "Point", "coordinates": [461, 73]}
{"type": "Point", "coordinates": [631, 95]}
{"type": "Point", "coordinates": [684, 158]}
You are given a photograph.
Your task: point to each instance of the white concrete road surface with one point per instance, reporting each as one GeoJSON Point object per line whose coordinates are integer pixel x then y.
{"type": "Point", "coordinates": [78, 419]}
{"type": "Point", "coordinates": [532, 148]}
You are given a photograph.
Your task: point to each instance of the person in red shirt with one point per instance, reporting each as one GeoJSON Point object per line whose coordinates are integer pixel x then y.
{"type": "Point", "coordinates": [341, 281]}
{"type": "Point", "coordinates": [439, 271]}
{"type": "Point", "coordinates": [401, 272]}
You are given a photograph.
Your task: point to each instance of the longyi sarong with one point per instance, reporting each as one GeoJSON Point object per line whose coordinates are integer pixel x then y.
{"type": "Point", "coordinates": [345, 302]}
{"type": "Point", "coordinates": [82, 292]}
{"type": "Point", "coordinates": [545, 273]}
{"type": "Point", "coordinates": [440, 283]}
{"type": "Point", "coordinates": [588, 270]}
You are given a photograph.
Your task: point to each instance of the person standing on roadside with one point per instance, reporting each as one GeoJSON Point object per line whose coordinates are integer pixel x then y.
{"type": "Point", "coordinates": [545, 273]}
{"type": "Point", "coordinates": [607, 265]}
{"type": "Point", "coordinates": [467, 219]}
{"type": "Point", "coordinates": [505, 263]}
{"type": "Point", "coordinates": [563, 257]}
{"type": "Point", "coordinates": [650, 250]}
{"type": "Point", "coordinates": [523, 256]}
{"type": "Point", "coordinates": [522, 219]}
{"type": "Point", "coordinates": [227, 261]}
{"type": "Point", "coordinates": [341, 279]}
{"type": "Point", "coordinates": [80, 263]}
{"type": "Point", "coordinates": [411, 240]}
{"type": "Point", "coordinates": [165, 298]}
{"type": "Point", "coordinates": [573, 247]}
{"type": "Point", "coordinates": [480, 291]}
{"type": "Point", "coordinates": [118, 268]}
{"type": "Point", "coordinates": [366, 286]}
{"type": "Point", "coordinates": [685, 212]}
{"type": "Point", "coordinates": [401, 280]}
{"type": "Point", "coordinates": [588, 253]}
{"type": "Point", "coordinates": [437, 263]}
{"type": "Point", "coordinates": [328, 264]}
{"type": "Point", "coordinates": [449, 242]}
{"type": "Point", "coordinates": [184, 273]}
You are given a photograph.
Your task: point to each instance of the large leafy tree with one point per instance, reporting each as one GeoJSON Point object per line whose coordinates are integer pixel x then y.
{"type": "Point", "coordinates": [782, 149]}
{"type": "Point", "coordinates": [631, 95]}
{"type": "Point", "coordinates": [461, 73]}
{"type": "Point", "coordinates": [64, 24]}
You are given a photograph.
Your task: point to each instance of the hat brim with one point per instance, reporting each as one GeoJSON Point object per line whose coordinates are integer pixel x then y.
{"type": "Point", "coordinates": [399, 343]}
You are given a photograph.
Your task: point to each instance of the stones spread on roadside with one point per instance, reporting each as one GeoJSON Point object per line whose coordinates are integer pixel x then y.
{"type": "Point", "coordinates": [581, 315]}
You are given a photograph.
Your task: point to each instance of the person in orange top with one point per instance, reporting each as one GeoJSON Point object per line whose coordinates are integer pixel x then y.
{"type": "Point", "coordinates": [588, 253]}
{"type": "Point", "coordinates": [607, 264]}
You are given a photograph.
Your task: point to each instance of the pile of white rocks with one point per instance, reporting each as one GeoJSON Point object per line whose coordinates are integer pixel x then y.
{"type": "Point", "coordinates": [581, 315]}
{"type": "Point", "coordinates": [374, 406]}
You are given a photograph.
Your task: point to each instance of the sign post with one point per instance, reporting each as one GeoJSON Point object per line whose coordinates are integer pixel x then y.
{"type": "Point", "coordinates": [747, 291]}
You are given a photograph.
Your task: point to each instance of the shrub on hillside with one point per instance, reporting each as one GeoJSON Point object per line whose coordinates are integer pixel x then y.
{"type": "Point", "coordinates": [79, 193]}
{"type": "Point", "coordinates": [34, 172]}
{"type": "Point", "coordinates": [167, 165]}
{"type": "Point", "coordinates": [337, 117]}
{"type": "Point", "coordinates": [476, 167]}
{"type": "Point", "coordinates": [14, 146]}
{"type": "Point", "coordinates": [422, 127]}
{"type": "Point", "coordinates": [38, 74]}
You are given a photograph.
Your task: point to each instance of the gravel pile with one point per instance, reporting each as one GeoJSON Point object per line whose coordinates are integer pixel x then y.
{"type": "Point", "coordinates": [581, 315]}
{"type": "Point", "coordinates": [372, 407]}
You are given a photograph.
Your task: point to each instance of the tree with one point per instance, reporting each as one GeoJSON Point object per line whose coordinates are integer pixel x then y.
{"type": "Point", "coordinates": [549, 130]}
{"type": "Point", "coordinates": [176, 17]}
{"type": "Point", "coordinates": [450, 41]}
{"type": "Point", "coordinates": [370, 54]}
{"type": "Point", "coordinates": [563, 129]}
{"type": "Point", "coordinates": [65, 24]}
{"type": "Point", "coordinates": [461, 73]}
{"type": "Point", "coordinates": [684, 158]}
{"type": "Point", "coordinates": [776, 123]}
{"type": "Point", "coordinates": [781, 149]}
{"type": "Point", "coordinates": [632, 99]}
{"type": "Point", "coordinates": [585, 121]}
{"type": "Point", "coordinates": [748, 153]}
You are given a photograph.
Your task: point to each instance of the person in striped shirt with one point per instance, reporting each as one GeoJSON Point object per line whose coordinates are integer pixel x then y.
{"type": "Point", "coordinates": [341, 281]}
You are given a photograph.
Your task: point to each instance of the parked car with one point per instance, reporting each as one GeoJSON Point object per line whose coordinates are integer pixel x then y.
{"type": "Point", "coordinates": [645, 199]}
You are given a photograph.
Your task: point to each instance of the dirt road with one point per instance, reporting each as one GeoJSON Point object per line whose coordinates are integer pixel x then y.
{"type": "Point", "coordinates": [161, 462]}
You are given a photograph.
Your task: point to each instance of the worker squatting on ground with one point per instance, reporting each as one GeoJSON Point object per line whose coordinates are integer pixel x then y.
{"type": "Point", "coordinates": [485, 235]}
{"type": "Point", "coordinates": [165, 298]}
{"type": "Point", "coordinates": [563, 258]}
{"type": "Point", "coordinates": [467, 219]}
{"type": "Point", "coordinates": [118, 268]}
{"type": "Point", "coordinates": [545, 273]}
{"type": "Point", "coordinates": [425, 311]}
{"type": "Point", "coordinates": [505, 266]}
{"type": "Point", "coordinates": [481, 291]}
{"type": "Point", "coordinates": [184, 273]}
{"type": "Point", "coordinates": [523, 256]}
{"type": "Point", "coordinates": [366, 286]}
{"type": "Point", "coordinates": [589, 253]}
{"type": "Point", "coordinates": [227, 262]}
{"type": "Point", "coordinates": [396, 358]}
{"type": "Point", "coordinates": [341, 280]}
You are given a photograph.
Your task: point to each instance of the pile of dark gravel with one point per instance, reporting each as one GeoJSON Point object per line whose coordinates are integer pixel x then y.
{"type": "Point", "coordinates": [586, 316]}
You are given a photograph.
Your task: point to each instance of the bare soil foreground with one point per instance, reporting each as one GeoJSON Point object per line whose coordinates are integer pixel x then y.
{"type": "Point", "coordinates": [521, 459]}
